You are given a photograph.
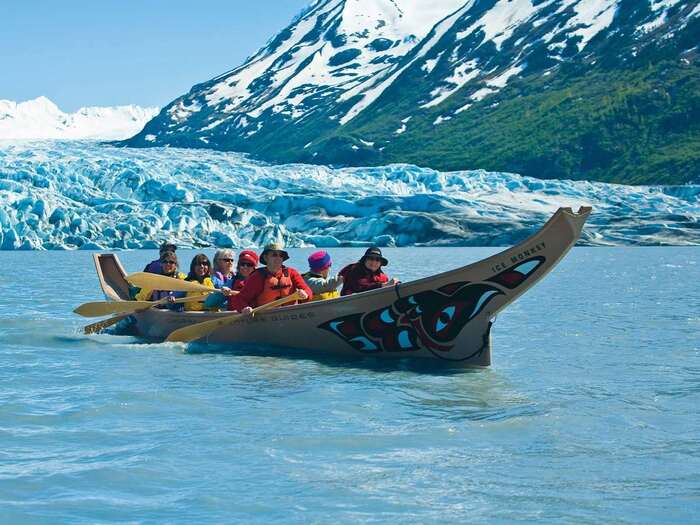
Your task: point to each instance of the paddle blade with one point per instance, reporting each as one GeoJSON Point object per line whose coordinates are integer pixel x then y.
{"type": "Point", "coordinates": [152, 281]}
{"type": "Point", "coordinates": [100, 308]}
{"type": "Point", "coordinates": [199, 330]}
{"type": "Point", "coordinates": [98, 327]}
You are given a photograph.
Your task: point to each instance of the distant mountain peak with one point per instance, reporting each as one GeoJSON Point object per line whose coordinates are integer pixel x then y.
{"type": "Point", "coordinates": [40, 118]}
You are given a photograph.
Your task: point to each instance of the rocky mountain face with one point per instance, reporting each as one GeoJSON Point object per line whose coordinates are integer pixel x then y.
{"type": "Point", "coordinates": [585, 89]}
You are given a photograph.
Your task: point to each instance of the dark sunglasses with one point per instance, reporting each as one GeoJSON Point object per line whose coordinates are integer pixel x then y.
{"type": "Point", "coordinates": [246, 265]}
{"type": "Point", "coordinates": [276, 254]}
{"type": "Point", "coordinates": [202, 263]}
{"type": "Point", "coordinates": [226, 260]}
{"type": "Point", "coordinates": [169, 261]}
{"type": "Point", "coordinates": [372, 258]}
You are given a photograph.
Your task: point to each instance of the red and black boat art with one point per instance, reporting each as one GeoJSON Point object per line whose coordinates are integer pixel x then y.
{"type": "Point", "coordinates": [431, 319]}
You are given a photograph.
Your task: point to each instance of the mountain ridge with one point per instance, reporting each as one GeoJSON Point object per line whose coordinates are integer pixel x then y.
{"type": "Point", "coordinates": [359, 82]}
{"type": "Point", "coordinates": [40, 118]}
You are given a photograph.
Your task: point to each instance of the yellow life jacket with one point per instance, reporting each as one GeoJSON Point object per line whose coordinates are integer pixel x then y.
{"type": "Point", "coordinates": [320, 296]}
{"type": "Point", "coordinates": [198, 306]}
{"type": "Point", "coordinates": [325, 295]}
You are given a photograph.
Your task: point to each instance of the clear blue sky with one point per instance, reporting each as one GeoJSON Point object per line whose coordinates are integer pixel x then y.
{"type": "Point", "coordinates": [109, 52]}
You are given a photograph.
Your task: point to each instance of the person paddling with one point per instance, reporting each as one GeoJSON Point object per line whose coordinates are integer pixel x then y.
{"type": "Point", "coordinates": [168, 267]}
{"type": "Point", "coordinates": [366, 274]}
{"type": "Point", "coordinates": [321, 283]}
{"type": "Point", "coordinates": [270, 283]}
{"type": "Point", "coordinates": [222, 274]}
{"type": "Point", "coordinates": [155, 265]}
{"type": "Point", "coordinates": [200, 272]}
{"type": "Point", "coordinates": [247, 262]}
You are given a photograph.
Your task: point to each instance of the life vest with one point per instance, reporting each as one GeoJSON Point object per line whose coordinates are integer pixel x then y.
{"type": "Point", "coordinates": [274, 287]}
{"type": "Point", "coordinates": [322, 296]}
{"type": "Point", "coordinates": [199, 305]}
{"type": "Point", "coordinates": [325, 295]}
{"type": "Point", "coordinates": [237, 283]}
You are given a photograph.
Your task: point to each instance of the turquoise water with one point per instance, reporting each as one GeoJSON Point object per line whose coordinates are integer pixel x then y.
{"type": "Point", "coordinates": [588, 414]}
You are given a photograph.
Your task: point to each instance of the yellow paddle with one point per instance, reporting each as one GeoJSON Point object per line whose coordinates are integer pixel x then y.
{"type": "Point", "coordinates": [101, 325]}
{"type": "Point", "coordinates": [100, 308]}
{"type": "Point", "coordinates": [199, 330]}
{"type": "Point", "coordinates": [154, 281]}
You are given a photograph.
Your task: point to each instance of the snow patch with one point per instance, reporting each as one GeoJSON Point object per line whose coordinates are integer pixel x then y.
{"type": "Point", "coordinates": [663, 4]}
{"type": "Point", "coordinates": [402, 128]}
{"type": "Point", "coordinates": [502, 79]}
{"type": "Point", "coordinates": [499, 22]}
{"type": "Point", "coordinates": [461, 75]}
{"type": "Point", "coordinates": [370, 90]}
{"type": "Point", "coordinates": [440, 120]}
{"type": "Point", "coordinates": [181, 111]}
{"type": "Point", "coordinates": [593, 15]}
{"type": "Point", "coordinates": [431, 63]}
{"type": "Point", "coordinates": [481, 93]}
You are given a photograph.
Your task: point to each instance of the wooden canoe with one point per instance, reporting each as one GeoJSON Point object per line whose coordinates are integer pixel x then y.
{"type": "Point", "coordinates": [446, 316]}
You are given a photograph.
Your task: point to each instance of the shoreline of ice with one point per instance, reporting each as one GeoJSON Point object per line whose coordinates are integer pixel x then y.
{"type": "Point", "coordinates": [87, 195]}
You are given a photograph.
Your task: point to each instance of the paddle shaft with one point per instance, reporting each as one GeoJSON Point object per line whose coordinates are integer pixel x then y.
{"type": "Point", "coordinates": [154, 281]}
{"type": "Point", "coordinates": [100, 308]}
{"type": "Point", "coordinates": [101, 325]}
{"type": "Point", "coordinates": [199, 330]}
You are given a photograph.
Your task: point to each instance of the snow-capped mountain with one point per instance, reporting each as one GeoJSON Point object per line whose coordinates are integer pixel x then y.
{"type": "Point", "coordinates": [42, 119]}
{"type": "Point", "coordinates": [377, 81]}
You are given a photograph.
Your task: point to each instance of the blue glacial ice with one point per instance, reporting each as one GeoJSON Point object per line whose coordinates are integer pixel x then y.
{"type": "Point", "coordinates": [85, 195]}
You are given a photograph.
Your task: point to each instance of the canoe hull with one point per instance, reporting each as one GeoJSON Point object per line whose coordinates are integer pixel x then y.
{"type": "Point", "coordinates": [445, 317]}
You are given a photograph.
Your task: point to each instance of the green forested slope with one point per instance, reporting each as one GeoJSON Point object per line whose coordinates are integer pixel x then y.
{"type": "Point", "coordinates": [634, 126]}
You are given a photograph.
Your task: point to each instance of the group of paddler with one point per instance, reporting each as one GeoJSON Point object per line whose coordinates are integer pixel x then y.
{"type": "Point", "coordinates": [255, 281]}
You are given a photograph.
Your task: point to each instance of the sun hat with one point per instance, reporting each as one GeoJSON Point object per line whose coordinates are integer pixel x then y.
{"type": "Point", "coordinates": [248, 256]}
{"type": "Point", "coordinates": [319, 261]}
{"type": "Point", "coordinates": [375, 252]}
{"type": "Point", "coordinates": [273, 247]}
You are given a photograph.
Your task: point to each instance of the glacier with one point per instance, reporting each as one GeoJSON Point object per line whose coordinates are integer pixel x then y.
{"type": "Point", "coordinates": [92, 196]}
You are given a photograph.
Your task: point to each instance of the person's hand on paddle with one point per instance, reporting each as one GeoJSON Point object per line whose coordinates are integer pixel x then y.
{"type": "Point", "coordinates": [227, 291]}
{"type": "Point", "coordinates": [246, 310]}
{"type": "Point", "coordinates": [171, 299]}
{"type": "Point", "coordinates": [303, 296]}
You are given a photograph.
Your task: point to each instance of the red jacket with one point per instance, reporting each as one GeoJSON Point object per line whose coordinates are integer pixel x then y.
{"type": "Point", "coordinates": [259, 288]}
{"type": "Point", "coordinates": [357, 278]}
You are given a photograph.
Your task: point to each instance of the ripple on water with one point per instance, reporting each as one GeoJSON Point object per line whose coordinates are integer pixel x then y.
{"type": "Point", "coordinates": [588, 414]}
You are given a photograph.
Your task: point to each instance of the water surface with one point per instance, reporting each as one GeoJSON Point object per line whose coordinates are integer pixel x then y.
{"type": "Point", "coordinates": [588, 414]}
